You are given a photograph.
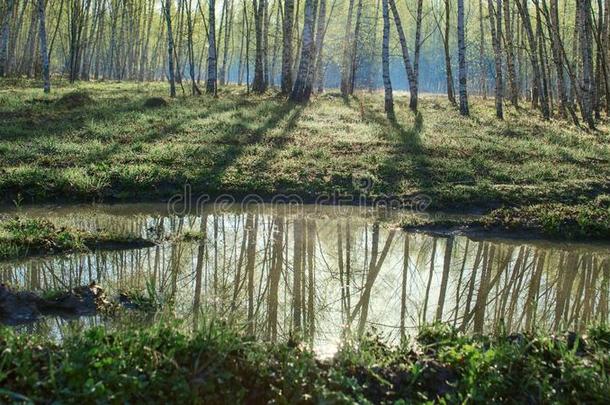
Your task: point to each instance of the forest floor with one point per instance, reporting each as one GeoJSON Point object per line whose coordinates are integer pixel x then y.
{"type": "Point", "coordinates": [218, 365]}
{"type": "Point", "coordinates": [109, 141]}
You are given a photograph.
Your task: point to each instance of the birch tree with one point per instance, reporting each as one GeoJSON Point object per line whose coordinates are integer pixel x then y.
{"type": "Point", "coordinates": [537, 79]}
{"type": "Point", "coordinates": [495, 22]}
{"type": "Point", "coordinates": [405, 54]}
{"type": "Point", "coordinates": [211, 85]}
{"type": "Point", "coordinates": [585, 39]}
{"type": "Point", "coordinates": [259, 85]}
{"type": "Point", "coordinates": [43, 47]}
{"type": "Point", "coordinates": [302, 85]}
{"type": "Point", "coordinates": [510, 53]}
{"type": "Point", "coordinates": [170, 49]}
{"type": "Point", "coordinates": [346, 64]}
{"type": "Point", "coordinates": [463, 78]}
{"type": "Point", "coordinates": [385, 62]}
{"type": "Point", "coordinates": [4, 36]}
{"type": "Point", "coordinates": [286, 85]}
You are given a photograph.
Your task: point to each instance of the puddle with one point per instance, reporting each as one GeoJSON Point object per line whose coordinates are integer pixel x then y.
{"type": "Point", "coordinates": [327, 272]}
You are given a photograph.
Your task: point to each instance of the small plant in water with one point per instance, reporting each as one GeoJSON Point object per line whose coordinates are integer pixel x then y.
{"type": "Point", "coordinates": [151, 300]}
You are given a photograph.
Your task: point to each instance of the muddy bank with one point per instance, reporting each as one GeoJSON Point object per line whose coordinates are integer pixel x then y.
{"type": "Point", "coordinates": [22, 307]}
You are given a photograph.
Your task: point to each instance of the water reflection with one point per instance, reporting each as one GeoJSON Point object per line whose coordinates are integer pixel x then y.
{"type": "Point", "coordinates": [328, 277]}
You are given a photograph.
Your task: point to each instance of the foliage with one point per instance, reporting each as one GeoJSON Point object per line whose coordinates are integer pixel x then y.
{"type": "Point", "coordinates": [218, 365]}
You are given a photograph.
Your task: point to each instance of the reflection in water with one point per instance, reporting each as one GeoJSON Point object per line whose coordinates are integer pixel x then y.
{"type": "Point", "coordinates": [327, 277]}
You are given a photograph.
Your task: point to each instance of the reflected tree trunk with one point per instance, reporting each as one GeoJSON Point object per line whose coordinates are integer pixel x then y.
{"type": "Point", "coordinates": [444, 279]}
{"type": "Point", "coordinates": [252, 230]}
{"type": "Point", "coordinates": [297, 270]}
{"type": "Point", "coordinates": [429, 283]}
{"type": "Point", "coordinates": [274, 278]}
{"type": "Point", "coordinates": [403, 295]}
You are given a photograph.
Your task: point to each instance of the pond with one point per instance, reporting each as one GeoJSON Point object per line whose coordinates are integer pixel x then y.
{"type": "Point", "coordinates": [325, 272]}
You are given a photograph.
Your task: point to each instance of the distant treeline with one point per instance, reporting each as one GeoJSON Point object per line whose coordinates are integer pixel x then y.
{"type": "Point", "coordinates": [552, 53]}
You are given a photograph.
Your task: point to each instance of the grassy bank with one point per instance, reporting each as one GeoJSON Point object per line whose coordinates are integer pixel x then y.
{"type": "Point", "coordinates": [114, 146]}
{"type": "Point", "coordinates": [589, 221]}
{"type": "Point", "coordinates": [216, 365]}
{"type": "Point", "coordinates": [108, 141]}
{"type": "Point", "coordinates": [21, 237]}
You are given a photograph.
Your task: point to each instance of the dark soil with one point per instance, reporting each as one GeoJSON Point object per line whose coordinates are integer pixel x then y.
{"type": "Point", "coordinates": [74, 99]}
{"type": "Point", "coordinates": [17, 307]}
{"type": "Point", "coordinates": [155, 102]}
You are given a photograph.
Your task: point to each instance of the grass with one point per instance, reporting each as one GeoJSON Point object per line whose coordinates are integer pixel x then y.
{"type": "Point", "coordinates": [105, 143]}
{"type": "Point", "coordinates": [588, 221]}
{"type": "Point", "coordinates": [21, 237]}
{"type": "Point", "coordinates": [263, 144]}
{"type": "Point", "coordinates": [219, 365]}
{"type": "Point", "coordinates": [584, 221]}
{"type": "Point", "coordinates": [557, 221]}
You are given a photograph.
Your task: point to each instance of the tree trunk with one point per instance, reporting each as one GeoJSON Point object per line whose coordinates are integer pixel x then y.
{"type": "Point", "coordinates": [287, 47]}
{"type": "Point", "coordinates": [585, 41]}
{"type": "Point", "coordinates": [321, 32]}
{"type": "Point", "coordinates": [482, 64]}
{"type": "Point", "coordinates": [510, 54]}
{"type": "Point", "coordinates": [227, 36]}
{"type": "Point", "coordinates": [346, 65]}
{"type": "Point", "coordinates": [259, 85]}
{"type": "Point", "coordinates": [414, 86]}
{"type": "Point", "coordinates": [556, 46]}
{"type": "Point", "coordinates": [4, 34]}
{"type": "Point", "coordinates": [495, 21]}
{"type": "Point", "coordinates": [302, 85]}
{"type": "Point", "coordinates": [355, 46]}
{"type": "Point", "coordinates": [545, 94]}
{"type": "Point", "coordinates": [527, 25]}
{"type": "Point", "coordinates": [191, 52]}
{"type": "Point", "coordinates": [448, 68]}
{"type": "Point", "coordinates": [464, 110]}
{"type": "Point", "coordinates": [385, 62]}
{"type": "Point", "coordinates": [43, 48]}
{"type": "Point", "coordinates": [212, 68]}
{"type": "Point", "coordinates": [170, 48]}
{"type": "Point", "coordinates": [405, 50]}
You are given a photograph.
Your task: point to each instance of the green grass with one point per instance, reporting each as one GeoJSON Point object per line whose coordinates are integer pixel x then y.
{"type": "Point", "coordinates": [21, 237]}
{"type": "Point", "coordinates": [219, 365]}
{"type": "Point", "coordinates": [587, 221]}
{"type": "Point", "coordinates": [115, 148]}
{"type": "Point", "coordinates": [584, 221]}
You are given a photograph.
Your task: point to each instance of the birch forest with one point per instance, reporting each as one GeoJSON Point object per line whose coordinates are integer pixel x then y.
{"type": "Point", "coordinates": [550, 54]}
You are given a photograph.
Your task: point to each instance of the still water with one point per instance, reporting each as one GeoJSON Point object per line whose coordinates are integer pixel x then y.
{"type": "Point", "coordinates": [326, 272]}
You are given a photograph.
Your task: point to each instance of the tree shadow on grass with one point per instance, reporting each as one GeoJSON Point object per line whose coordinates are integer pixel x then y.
{"type": "Point", "coordinates": [211, 178]}
{"type": "Point", "coordinates": [407, 160]}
